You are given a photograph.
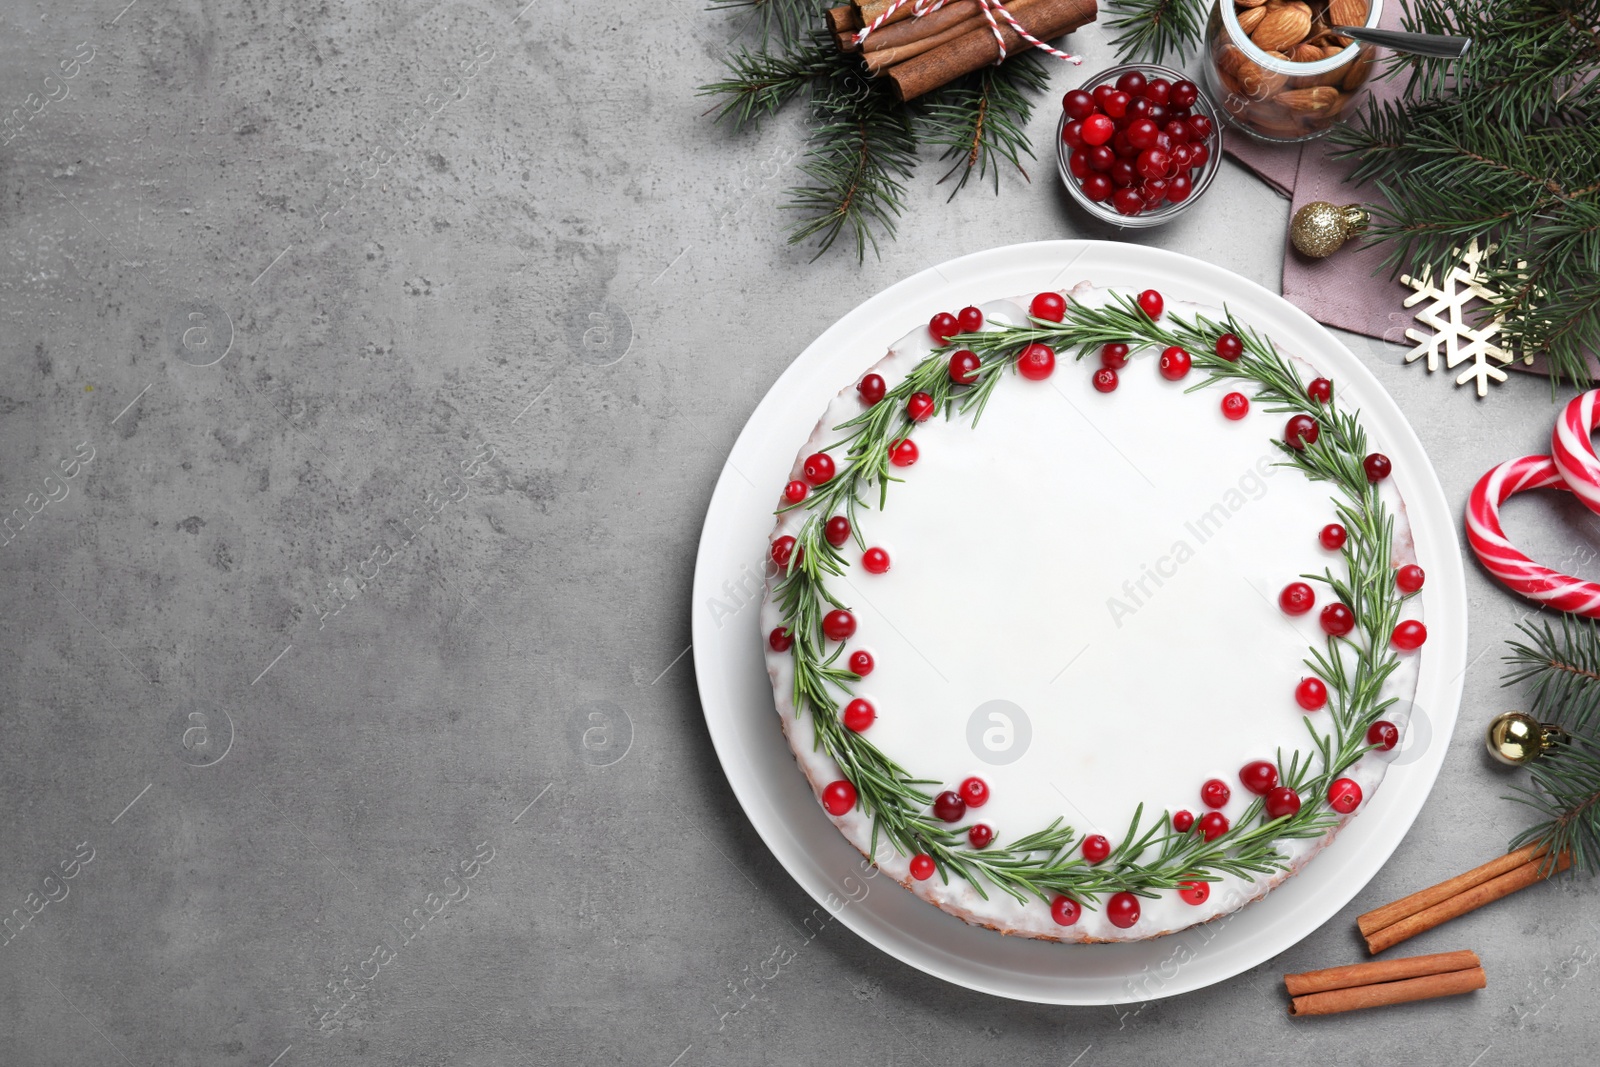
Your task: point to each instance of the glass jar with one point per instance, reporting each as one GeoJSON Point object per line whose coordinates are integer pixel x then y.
{"type": "Point", "coordinates": [1278, 72]}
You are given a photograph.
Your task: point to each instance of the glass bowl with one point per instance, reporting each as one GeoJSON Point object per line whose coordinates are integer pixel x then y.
{"type": "Point", "coordinates": [1270, 96]}
{"type": "Point", "coordinates": [1202, 178]}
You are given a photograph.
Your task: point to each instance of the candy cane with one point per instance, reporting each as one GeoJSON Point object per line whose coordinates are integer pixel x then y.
{"type": "Point", "coordinates": [1502, 559]}
{"type": "Point", "coordinates": [1573, 451]}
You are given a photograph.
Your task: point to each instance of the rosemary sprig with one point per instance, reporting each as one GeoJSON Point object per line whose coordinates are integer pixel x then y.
{"type": "Point", "coordinates": [1045, 863]}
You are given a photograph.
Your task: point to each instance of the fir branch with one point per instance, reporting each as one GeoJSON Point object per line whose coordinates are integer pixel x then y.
{"type": "Point", "coordinates": [981, 120]}
{"type": "Point", "coordinates": [761, 82]}
{"type": "Point", "coordinates": [1566, 793]}
{"type": "Point", "coordinates": [1151, 29]}
{"type": "Point", "coordinates": [1562, 668]}
{"type": "Point", "coordinates": [786, 20]}
{"type": "Point", "coordinates": [862, 149]}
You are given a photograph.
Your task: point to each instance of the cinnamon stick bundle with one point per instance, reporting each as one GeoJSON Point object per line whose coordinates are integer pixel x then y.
{"type": "Point", "coordinates": [1043, 19]}
{"type": "Point", "coordinates": [1375, 985]}
{"type": "Point", "coordinates": [1420, 912]}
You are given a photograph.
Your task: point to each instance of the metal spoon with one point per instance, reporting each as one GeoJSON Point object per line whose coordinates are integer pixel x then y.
{"type": "Point", "coordinates": [1417, 44]}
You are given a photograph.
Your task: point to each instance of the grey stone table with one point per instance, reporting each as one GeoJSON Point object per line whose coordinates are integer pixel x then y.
{"type": "Point", "coordinates": [284, 282]}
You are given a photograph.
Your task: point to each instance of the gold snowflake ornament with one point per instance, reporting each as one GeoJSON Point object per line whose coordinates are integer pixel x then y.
{"type": "Point", "coordinates": [1453, 334]}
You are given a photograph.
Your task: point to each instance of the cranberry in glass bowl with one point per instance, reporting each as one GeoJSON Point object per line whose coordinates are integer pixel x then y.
{"type": "Point", "coordinates": [1138, 144]}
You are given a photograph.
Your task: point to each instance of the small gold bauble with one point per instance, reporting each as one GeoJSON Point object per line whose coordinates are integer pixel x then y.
{"type": "Point", "coordinates": [1320, 228]}
{"type": "Point", "coordinates": [1516, 738]}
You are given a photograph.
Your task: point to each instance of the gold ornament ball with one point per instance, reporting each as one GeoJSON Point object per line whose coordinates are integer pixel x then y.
{"type": "Point", "coordinates": [1517, 738]}
{"type": "Point", "coordinates": [1319, 229]}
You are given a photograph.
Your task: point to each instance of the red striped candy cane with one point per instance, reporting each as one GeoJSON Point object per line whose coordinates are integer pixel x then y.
{"type": "Point", "coordinates": [1502, 559]}
{"type": "Point", "coordinates": [1573, 451]}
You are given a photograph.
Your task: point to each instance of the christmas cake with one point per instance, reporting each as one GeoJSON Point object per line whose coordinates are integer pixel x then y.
{"type": "Point", "coordinates": [1092, 615]}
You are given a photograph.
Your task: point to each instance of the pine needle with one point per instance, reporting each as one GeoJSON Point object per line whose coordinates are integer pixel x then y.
{"type": "Point", "coordinates": [981, 120]}
{"type": "Point", "coordinates": [786, 20]}
{"type": "Point", "coordinates": [1151, 29]}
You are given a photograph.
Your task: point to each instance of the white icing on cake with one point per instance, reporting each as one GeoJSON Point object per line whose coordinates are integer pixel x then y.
{"type": "Point", "coordinates": [1109, 564]}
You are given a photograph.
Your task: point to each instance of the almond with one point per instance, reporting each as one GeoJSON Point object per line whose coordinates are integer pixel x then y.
{"type": "Point", "coordinates": [1306, 53]}
{"type": "Point", "coordinates": [1347, 12]}
{"type": "Point", "coordinates": [1314, 102]}
{"type": "Point", "coordinates": [1250, 17]}
{"type": "Point", "coordinates": [1249, 78]}
{"type": "Point", "coordinates": [1248, 3]}
{"type": "Point", "coordinates": [1356, 74]}
{"type": "Point", "coordinates": [1283, 27]}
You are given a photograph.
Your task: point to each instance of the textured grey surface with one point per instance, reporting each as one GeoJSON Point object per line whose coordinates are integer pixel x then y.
{"type": "Point", "coordinates": [314, 315]}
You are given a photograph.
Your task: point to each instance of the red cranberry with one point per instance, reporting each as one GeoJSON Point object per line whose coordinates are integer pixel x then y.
{"type": "Point", "coordinates": [1215, 793]}
{"type": "Point", "coordinates": [859, 714]}
{"type": "Point", "coordinates": [1297, 598]}
{"type": "Point", "coordinates": [1180, 188]}
{"type": "Point", "coordinates": [1116, 104]}
{"type": "Point", "coordinates": [861, 663]}
{"type": "Point", "coordinates": [875, 561]}
{"type": "Point", "coordinates": [1151, 304]}
{"type": "Point", "coordinates": [1114, 356]}
{"type": "Point", "coordinates": [902, 452]}
{"type": "Point", "coordinates": [1213, 824]}
{"type": "Point", "coordinates": [1182, 820]}
{"type": "Point", "coordinates": [1096, 848]}
{"type": "Point", "coordinates": [1036, 362]}
{"type": "Point", "coordinates": [1078, 105]}
{"type": "Point", "coordinates": [837, 531]}
{"type": "Point", "coordinates": [1097, 187]}
{"type": "Point", "coordinates": [1302, 430]}
{"type": "Point", "coordinates": [780, 639]}
{"type": "Point", "coordinates": [1127, 201]}
{"type": "Point", "coordinates": [1105, 379]}
{"type": "Point", "coordinates": [1100, 158]}
{"type": "Point", "coordinates": [1235, 406]}
{"type": "Point", "coordinates": [1320, 390]}
{"type": "Point", "coordinates": [1229, 347]}
{"type": "Point", "coordinates": [1259, 776]}
{"type": "Point", "coordinates": [1337, 620]}
{"type": "Point", "coordinates": [1200, 126]}
{"type": "Point", "coordinates": [782, 549]}
{"type": "Point", "coordinates": [1132, 83]}
{"type": "Point", "coordinates": [919, 406]}
{"type": "Point", "coordinates": [1311, 694]}
{"type": "Point", "coordinates": [818, 468]}
{"type": "Point", "coordinates": [1282, 801]}
{"type": "Point", "coordinates": [1195, 893]}
{"type": "Point", "coordinates": [979, 835]}
{"type": "Point", "coordinates": [1078, 163]}
{"type": "Point", "coordinates": [1344, 796]}
{"type": "Point", "coordinates": [1174, 363]}
{"type": "Point", "coordinates": [1377, 467]}
{"type": "Point", "coordinates": [1123, 175]}
{"type": "Point", "coordinates": [1199, 156]}
{"type": "Point", "coordinates": [838, 625]}
{"type": "Point", "coordinates": [964, 365]}
{"type": "Point", "coordinates": [1383, 735]}
{"type": "Point", "coordinates": [1142, 133]}
{"type": "Point", "coordinates": [1184, 93]}
{"type": "Point", "coordinates": [1098, 129]}
{"type": "Point", "coordinates": [1052, 307]}
{"type": "Point", "coordinates": [922, 866]}
{"type": "Point", "coordinates": [871, 387]}
{"type": "Point", "coordinates": [1158, 91]}
{"type": "Point", "coordinates": [1065, 910]}
{"type": "Point", "coordinates": [1408, 579]}
{"type": "Point", "coordinates": [1123, 910]}
{"type": "Point", "coordinates": [970, 319]}
{"type": "Point", "coordinates": [839, 797]}
{"type": "Point", "coordinates": [975, 791]}
{"type": "Point", "coordinates": [1332, 537]}
{"type": "Point", "coordinates": [796, 491]}
{"type": "Point", "coordinates": [949, 806]}
{"type": "Point", "coordinates": [943, 326]}
{"type": "Point", "coordinates": [1409, 635]}
{"type": "Point", "coordinates": [1154, 163]}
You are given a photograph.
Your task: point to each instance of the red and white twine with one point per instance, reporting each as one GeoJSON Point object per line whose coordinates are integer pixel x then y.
{"type": "Point", "coordinates": [990, 9]}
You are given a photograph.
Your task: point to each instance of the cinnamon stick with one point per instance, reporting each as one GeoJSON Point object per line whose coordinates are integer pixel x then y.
{"type": "Point", "coordinates": [1358, 974]}
{"type": "Point", "coordinates": [843, 17]}
{"type": "Point", "coordinates": [881, 59]}
{"type": "Point", "coordinates": [1468, 900]}
{"type": "Point", "coordinates": [869, 10]}
{"type": "Point", "coordinates": [1045, 19]}
{"type": "Point", "coordinates": [1447, 984]}
{"type": "Point", "coordinates": [1390, 914]}
{"type": "Point", "coordinates": [896, 34]}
